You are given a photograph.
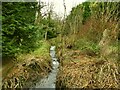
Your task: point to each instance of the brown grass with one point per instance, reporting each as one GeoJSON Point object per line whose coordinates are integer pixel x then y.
{"type": "Point", "coordinates": [26, 73]}
{"type": "Point", "coordinates": [87, 72]}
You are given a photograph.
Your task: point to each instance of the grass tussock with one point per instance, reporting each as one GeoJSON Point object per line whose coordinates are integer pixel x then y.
{"type": "Point", "coordinates": [29, 68]}
{"type": "Point", "coordinates": [85, 72]}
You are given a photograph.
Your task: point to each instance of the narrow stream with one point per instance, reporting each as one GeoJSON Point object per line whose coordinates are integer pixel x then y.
{"type": "Point", "coordinates": [49, 81]}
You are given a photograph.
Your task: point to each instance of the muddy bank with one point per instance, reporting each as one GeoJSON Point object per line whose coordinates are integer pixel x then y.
{"type": "Point", "coordinates": [82, 71]}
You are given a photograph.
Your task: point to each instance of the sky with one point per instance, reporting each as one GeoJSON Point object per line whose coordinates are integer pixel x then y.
{"type": "Point", "coordinates": [58, 8]}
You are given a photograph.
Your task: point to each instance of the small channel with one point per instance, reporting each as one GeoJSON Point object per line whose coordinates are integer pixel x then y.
{"type": "Point", "coordinates": [50, 80]}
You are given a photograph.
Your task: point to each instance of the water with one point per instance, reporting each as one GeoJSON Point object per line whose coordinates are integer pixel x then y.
{"type": "Point", "coordinates": [49, 81]}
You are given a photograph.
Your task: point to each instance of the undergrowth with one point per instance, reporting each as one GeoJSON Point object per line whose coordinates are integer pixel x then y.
{"type": "Point", "coordinates": [83, 45]}
{"type": "Point", "coordinates": [85, 72]}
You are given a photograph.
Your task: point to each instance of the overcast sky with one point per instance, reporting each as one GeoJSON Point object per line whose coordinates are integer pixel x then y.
{"type": "Point", "coordinates": [58, 5]}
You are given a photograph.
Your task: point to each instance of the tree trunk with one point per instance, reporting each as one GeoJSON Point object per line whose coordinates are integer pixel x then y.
{"type": "Point", "coordinates": [46, 35]}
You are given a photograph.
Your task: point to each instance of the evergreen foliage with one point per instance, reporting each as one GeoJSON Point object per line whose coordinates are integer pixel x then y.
{"type": "Point", "coordinates": [22, 29]}
{"type": "Point", "coordinates": [19, 33]}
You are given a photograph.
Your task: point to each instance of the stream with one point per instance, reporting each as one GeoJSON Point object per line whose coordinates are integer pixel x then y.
{"type": "Point", "coordinates": [49, 81]}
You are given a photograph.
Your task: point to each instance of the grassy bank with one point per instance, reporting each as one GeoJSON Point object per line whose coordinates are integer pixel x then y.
{"type": "Point", "coordinates": [28, 68]}
{"type": "Point", "coordinates": [82, 71]}
{"type": "Point", "coordinates": [83, 66]}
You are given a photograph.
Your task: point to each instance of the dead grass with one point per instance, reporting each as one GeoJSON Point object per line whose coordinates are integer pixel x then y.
{"type": "Point", "coordinates": [87, 72]}
{"type": "Point", "coordinates": [27, 73]}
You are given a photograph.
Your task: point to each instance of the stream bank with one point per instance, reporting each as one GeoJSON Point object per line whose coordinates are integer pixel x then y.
{"type": "Point", "coordinates": [50, 80]}
{"type": "Point", "coordinates": [25, 74]}
{"type": "Point", "coordinates": [83, 71]}
{"type": "Point", "coordinates": [29, 69]}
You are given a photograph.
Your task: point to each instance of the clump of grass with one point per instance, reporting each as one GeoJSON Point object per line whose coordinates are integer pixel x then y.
{"type": "Point", "coordinates": [87, 46]}
{"type": "Point", "coordinates": [43, 49]}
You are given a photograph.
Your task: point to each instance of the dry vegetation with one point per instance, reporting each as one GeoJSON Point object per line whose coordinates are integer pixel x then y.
{"type": "Point", "coordinates": [92, 60]}
{"type": "Point", "coordinates": [89, 66]}
{"type": "Point", "coordinates": [82, 71]}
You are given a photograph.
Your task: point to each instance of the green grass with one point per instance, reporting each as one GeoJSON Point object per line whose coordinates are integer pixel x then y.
{"type": "Point", "coordinates": [43, 50]}
{"type": "Point", "coordinates": [83, 44]}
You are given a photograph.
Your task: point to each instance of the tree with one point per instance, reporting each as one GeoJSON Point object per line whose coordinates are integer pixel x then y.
{"type": "Point", "coordinates": [18, 30]}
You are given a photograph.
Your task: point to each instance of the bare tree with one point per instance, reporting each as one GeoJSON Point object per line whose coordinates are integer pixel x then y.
{"type": "Point", "coordinates": [50, 8]}
{"type": "Point", "coordinates": [64, 8]}
{"type": "Point", "coordinates": [38, 13]}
